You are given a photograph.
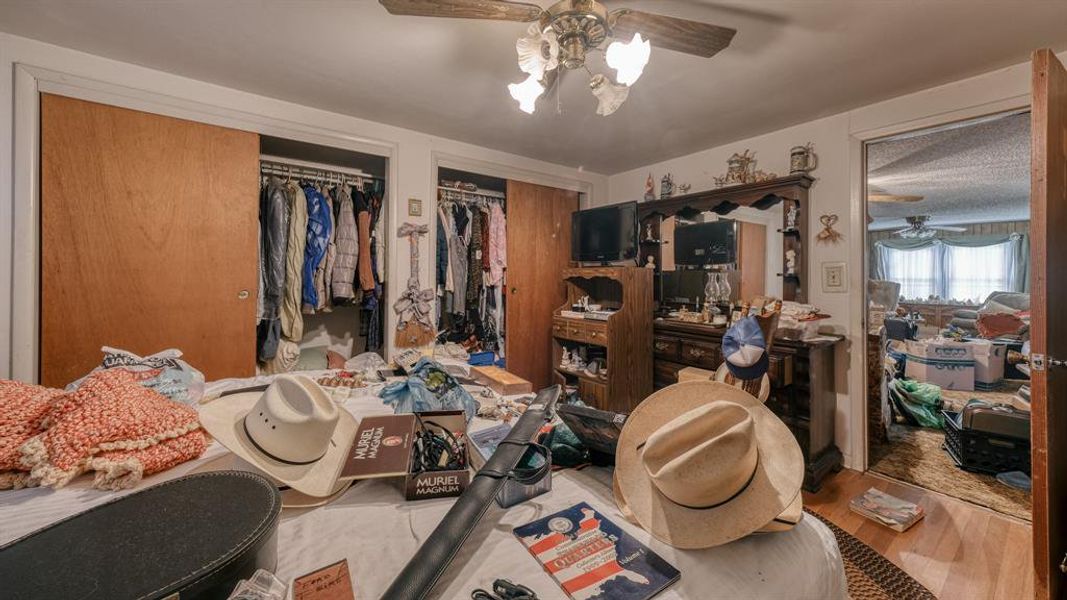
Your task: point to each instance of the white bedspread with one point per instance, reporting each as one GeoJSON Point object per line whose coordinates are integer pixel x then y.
{"type": "Point", "coordinates": [377, 531]}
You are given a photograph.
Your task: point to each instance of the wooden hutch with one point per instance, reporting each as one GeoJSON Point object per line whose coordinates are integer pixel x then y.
{"type": "Point", "coordinates": [624, 337]}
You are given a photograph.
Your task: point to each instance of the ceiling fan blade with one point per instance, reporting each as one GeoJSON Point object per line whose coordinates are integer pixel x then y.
{"type": "Point", "coordinates": [949, 228]}
{"type": "Point", "coordinates": [680, 35]}
{"type": "Point", "coordinates": [499, 10]}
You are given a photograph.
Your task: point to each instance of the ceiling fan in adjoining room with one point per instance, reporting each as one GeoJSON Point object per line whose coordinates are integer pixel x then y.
{"type": "Point", "coordinates": [918, 229]}
{"type": "Point", "coordinates": [566, 32]}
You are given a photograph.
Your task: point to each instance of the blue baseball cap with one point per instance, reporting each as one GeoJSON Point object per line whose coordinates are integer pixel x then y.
{"type": "Point", "coordinates": [745, 349]}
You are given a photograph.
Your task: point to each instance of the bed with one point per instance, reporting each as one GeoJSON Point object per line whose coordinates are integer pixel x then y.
{"type": "Point", "coordinates": [377, 531]}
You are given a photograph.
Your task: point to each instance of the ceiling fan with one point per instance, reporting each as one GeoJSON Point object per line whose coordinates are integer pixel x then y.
{"type": "Point", "coordinates": [877, 194]}
{"type": "Point", "coordinates": [918, 229]}
{"type": "Point", "coordinates": [566, 32]}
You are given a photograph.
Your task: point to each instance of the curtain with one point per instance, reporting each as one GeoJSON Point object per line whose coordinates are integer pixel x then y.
{"type": "Point", "coordinates": [955, 268]}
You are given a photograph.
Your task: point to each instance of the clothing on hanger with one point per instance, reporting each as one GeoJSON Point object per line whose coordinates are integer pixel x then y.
{"type": "Point", "coordinates": [318, 240]}
{"type": "Point", "coordinates": [347, 246]}
{"type": "Point", "coordinates": [363, 219]}
{"type": "Point", "coordinates": [324, 273]}
{"type": "Point", "coordinates": [292, 319]}
{"type": "Point", "coordinates": [273, 237]}
{"type": "Point", "coordinates": [498, 245]}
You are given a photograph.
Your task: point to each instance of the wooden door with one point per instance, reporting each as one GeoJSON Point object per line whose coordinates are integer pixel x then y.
{"type": "Point", "coordinates": [149, 239]}
{"type": "Point", "coordinates": [1048, 288]}
{"type": "Point", "coordinates": [539, 248]}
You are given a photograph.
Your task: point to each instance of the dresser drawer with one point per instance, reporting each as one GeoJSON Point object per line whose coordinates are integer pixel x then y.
{"type": "Point", "coordinates": [595, 332]}
{"type": "Point", "coordinates": [569, 329]}
{"type": "Point", "coordinates": [665, 347]}
{"type": "Point", "coordinates": [701, 354]}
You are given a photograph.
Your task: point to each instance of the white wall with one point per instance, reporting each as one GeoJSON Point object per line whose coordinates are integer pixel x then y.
{"type": "Point", "coordinates": [838, 141]}
{"type": "Point", "coordinates": [414, 157]}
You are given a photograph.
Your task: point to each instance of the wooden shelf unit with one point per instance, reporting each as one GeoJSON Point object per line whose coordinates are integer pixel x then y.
{"type": "Point", "coordinates": [788, 191]}
{"type": "Point", "coordinates": [626, 336]}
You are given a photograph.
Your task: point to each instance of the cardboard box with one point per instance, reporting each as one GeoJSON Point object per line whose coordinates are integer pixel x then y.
{"type": "Point", "coordinates": [695, 374]}
{"type": "Point", "coordinates": [944, 363]}
{"type": "Point", "coordinates": [384, 447]}
{"type": "Point", "coordinates": [441, 484]}
{"type": "Point", "coordinates": [988, 363]}
{"type": "Point", "coordinates": [501, 381]}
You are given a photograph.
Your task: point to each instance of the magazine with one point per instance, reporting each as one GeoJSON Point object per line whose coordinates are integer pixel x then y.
{"type": "Point", "coordinates": [888, 510]}
{"type": "Point", "coordinates": [593, 559]}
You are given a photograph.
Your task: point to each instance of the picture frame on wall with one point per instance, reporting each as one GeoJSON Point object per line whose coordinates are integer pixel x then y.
{"type": "Point", "coordinates": [414, 207]}
{"type": "Point", "coordinates": [834, 277]}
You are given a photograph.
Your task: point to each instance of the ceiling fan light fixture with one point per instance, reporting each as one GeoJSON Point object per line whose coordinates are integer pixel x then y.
{"type": "Point", "coordinates": [527, 93]}
{"type": "Point", "coordinates": [537, 52]}
{"type": "Point", "coordinates": [610, 95]}
{"type": "Point", "coordinates": [628, 59]}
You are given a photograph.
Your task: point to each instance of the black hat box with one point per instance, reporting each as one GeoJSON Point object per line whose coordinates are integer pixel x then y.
{"type": "Point", "coordinates": [190, 538]}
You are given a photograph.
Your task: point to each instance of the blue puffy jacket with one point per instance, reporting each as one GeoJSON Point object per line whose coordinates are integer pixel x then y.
{"type": "Point", "coordinates": [319, 224]}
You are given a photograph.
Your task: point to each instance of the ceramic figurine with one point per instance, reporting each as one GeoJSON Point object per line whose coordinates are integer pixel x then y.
{"type": "Point", "coordinates": [650, 262]}
{"type": "Point", "coordinates": [666, 186]}
{"type": "Point", "coordinates": [683, 188]}
{"type": "Point", "coordinates": [791, 218]}
{"type": "Point", "coordinates": [650, 189]}
{"type": "Point", "coordinates": [790, 262]}
{"type": "Point", "coordinates": [648, 232]}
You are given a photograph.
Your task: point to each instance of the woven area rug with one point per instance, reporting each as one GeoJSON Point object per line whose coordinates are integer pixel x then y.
{"type": "Point", "coordinates": [870, 575]}
{"type": "Point", "coordinates": [914, 455]}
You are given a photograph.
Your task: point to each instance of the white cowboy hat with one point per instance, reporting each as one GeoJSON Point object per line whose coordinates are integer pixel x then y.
{"type": "Point", "coordinates": [292, 431]}
{"type": "Point", "coordinates": [703, 463]}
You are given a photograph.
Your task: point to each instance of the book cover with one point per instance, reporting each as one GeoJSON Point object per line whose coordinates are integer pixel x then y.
{"type": "Point", "coordinates": [890, 511]}
{"type": "Point", "coordinates": [382, 447]}
{"type": "Point", "coordinates": [592, 558]}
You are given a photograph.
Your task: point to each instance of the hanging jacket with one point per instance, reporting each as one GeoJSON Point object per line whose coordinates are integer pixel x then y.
{"type": "Point", "coordinates": [458, 257]}
{"type": "Point", "coordinates": [442, 249]}
{"type": "Point", "coordinates": [273, 238]}
{"type": "Point", "coordinates": [318, 240]}
{"type": "Point", "coordinates": [474, 261]}
{"type": "Point", "coordinates": [347, 245]}
{"type": "Point", "coordinates": [498, 245]}
{"type": "Point", "coordinates": [324, 274]}
{"type": "Point", "coordinates": [363, 219]}
{"type": "Point", "coordinates": [291, 316]}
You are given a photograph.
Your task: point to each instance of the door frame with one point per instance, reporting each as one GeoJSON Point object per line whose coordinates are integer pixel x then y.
{"type": "Point", "coordinates": [31, 81]}
{"type": "Point", "coordinates": [857, 141]}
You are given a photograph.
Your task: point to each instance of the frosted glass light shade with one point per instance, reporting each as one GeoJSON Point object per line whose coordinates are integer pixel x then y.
{"type": "Point", "coordinates": [628, 59]}
{"type": "Point", "coordinates": [527, 93]}
{"type": "Point", "coordinates": [610, 95]}
{"type": "Point", "coordinates": [532, 48]}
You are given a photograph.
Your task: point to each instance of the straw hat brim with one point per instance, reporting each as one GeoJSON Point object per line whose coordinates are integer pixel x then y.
{"type": "Point", "coordinates": [774, 485]}
{"type": "Point", "coordinates": [291, 498]}
{"type": "Point", "coordinates": [223, 419]}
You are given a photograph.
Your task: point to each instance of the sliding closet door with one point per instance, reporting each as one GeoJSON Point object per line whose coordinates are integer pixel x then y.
{"type": "Point", "coordinates": [539, 248]}
{"type": "Point", "coordinates": [149, 239]}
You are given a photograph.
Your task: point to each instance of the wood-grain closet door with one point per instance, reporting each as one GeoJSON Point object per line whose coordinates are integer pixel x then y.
{"type": "Point", "coordinates": [149, 239]}
{"type": "Point", "coordinates": [539, 248]}
{"type": "Point", "coordinates": [1048, 325]}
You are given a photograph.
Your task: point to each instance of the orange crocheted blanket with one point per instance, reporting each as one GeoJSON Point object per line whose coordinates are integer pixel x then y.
{"type": "Point", "coordinates": [110, 425]}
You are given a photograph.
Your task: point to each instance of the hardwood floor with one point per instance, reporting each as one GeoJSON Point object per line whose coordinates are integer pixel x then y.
{"type": "Point", "coordinates": [958, 550]}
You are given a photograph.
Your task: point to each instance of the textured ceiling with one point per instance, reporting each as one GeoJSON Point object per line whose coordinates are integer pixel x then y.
{"type": "Point", "coordinates": [976, 172]}
{"type": "Point", "coordinates": [791, 62]}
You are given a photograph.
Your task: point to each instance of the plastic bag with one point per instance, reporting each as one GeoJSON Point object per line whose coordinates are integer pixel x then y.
{"type": "Point", "coordinates": [163, 372]}
{"type": "Point", "coordinates": [429, 387]}
{"type": "Point", "coordinates": [919, 403]}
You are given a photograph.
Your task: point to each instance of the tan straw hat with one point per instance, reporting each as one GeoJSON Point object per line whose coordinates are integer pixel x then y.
{"type": "Point", "coordinates": [703, 463]}
{"type": "Point", "coordinates": [292, 431]}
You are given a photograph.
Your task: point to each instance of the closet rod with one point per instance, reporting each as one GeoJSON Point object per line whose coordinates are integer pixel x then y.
{"type": "Point", "coordinates": [485, 193]}
{"type": "Point", "coordinates": [282, 166]}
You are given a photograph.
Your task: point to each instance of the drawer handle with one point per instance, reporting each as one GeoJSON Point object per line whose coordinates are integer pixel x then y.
{"type": "Point", "coordinates": [698, 353]}
{"type": "Point", "coordinates": [661, 346]}
{"type": "Point", "coordinates": [595, 334]}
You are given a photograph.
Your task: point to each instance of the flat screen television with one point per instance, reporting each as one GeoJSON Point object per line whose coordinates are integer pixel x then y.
{"type": "Point", "coordinates": [702, 244]}
{"type": "Point", "coordinates": [605, 234]}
